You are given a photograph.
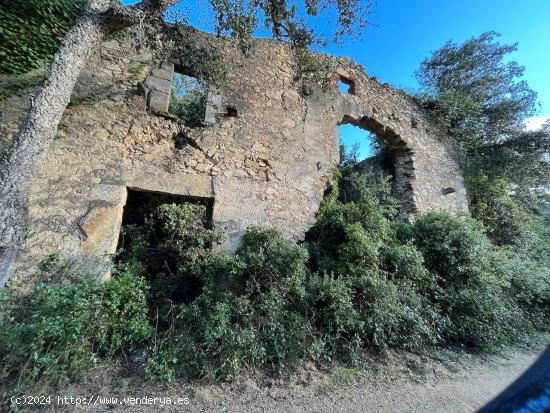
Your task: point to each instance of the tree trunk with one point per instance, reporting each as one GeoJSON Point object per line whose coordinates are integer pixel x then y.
{"type": "Point", "coordinates": [20, 162]}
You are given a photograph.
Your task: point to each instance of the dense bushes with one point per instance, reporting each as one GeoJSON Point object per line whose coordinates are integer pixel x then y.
{"type": "Point", "coordinates": [360, 281]}
{"type": "Point", "coordinates": [64, 328]}
{"type": "Point", "coordinates": [470, 285]}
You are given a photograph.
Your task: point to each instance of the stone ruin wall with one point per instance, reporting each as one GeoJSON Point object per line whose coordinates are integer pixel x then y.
{"type": "Point", "coordinates": [265, 156]}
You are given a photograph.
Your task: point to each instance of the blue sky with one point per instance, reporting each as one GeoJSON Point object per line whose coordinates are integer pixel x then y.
{"type": "Point", "coordinates": [404, 32]}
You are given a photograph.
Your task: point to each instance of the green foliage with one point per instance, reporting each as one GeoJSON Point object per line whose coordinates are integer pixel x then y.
{"type": "Point", "coordinates": [529, 286]}
{"type": "Point", "coordinates": [137, 72]}
{"type": "Point", "coordinates": [30, 31]}
{"type": "Point", "coordinates": [492, 204]}
{"type": "Point", "coordinates": [360, 281]}
{"type": "Point", "coordinates": [63, 329]}
{"type": "Point", "coordinates": [353, 223]}
{"type": "Point", "coordinates": [476, 89]}
{"type": "Point", "coordinates": [476, 93]}
{"type": "Point", "coordinates": [190, 108]}
{"type": "Point", "coordinates": [248, 312]}
{"type": "Point", "coordinates": [470, 290]}
{"type": "Point", "coordinates": [202, 60]}
{"type": "Point", "coordinates": [16, 85]}
{"type": "Point", "coordinates": [171, 250]}
{"type": "Point", "coordinates": [309, 69]}
{"type": "Point", "coordinates": [239, 19]}
{"type": "Point", "coordinates": [87, 100]}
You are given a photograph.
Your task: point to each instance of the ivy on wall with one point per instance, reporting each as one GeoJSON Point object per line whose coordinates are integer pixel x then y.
{"type": "Point", "coordinates": [30, 31]}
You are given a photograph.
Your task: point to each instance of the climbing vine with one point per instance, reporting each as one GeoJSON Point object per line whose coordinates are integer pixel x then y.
{"type": "Point", "coordinates": [31, 30]}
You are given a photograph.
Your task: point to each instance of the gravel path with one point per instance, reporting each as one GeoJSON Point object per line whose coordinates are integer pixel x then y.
{"type": "Point", "coordinates": [411, 383]}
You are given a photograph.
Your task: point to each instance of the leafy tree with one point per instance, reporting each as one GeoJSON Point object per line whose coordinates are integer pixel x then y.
{"type": "Point", "coordinates": [98, 19]}
{"type": "Point", "coordinates": [478, 96]}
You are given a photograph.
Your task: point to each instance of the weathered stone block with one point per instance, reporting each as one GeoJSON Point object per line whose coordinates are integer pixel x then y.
{"type": "Point", "coordinates": [213, 108]}
{"type": "Point", "coordinates": [158, 84]}
{"type": "Point", "coordinates": [166, 71]}
{"type": "Point", "coordinates": [101, 225]}
{"type": "Point", "coordinates": [159, 101]}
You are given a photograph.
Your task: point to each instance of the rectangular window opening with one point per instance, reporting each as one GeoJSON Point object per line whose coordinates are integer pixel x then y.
{"type": "Point", "coordinates": [188, 99]}
{"type": "Point", "coordinates": [346, 85]}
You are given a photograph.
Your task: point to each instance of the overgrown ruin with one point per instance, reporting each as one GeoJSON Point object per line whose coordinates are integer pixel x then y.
{"type": "Point", "coordinates": [264, 156]}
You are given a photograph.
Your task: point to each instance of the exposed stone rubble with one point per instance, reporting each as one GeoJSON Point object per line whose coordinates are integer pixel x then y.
{"type": "Point", "coordinates": [267, 161]}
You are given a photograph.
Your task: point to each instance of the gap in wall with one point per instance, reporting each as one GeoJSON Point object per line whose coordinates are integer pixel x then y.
{"type": "Point", "coordinates": [188, 99]}
{"type": "Point", "coordinates": [343, 86]}
{"type": "Point", "coordinates": [159, 250]}
{"type": "Point", "coordinates": [367, 150]}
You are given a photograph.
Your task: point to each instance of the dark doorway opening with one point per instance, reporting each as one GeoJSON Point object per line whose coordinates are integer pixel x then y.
{"type": "Point", "coordinates": [159, 235]}
{"type": "Point", "coordinates": [140, 203]}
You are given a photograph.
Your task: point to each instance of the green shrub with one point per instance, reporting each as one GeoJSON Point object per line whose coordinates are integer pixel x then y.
{"type": "Point", "coordinates": [249, 312]}
{"type": "Point", "coordinates": [395, 315]}
{"type": "Point", "coordinates": [171, 249]}
{"type": "Point", "coordinates": [361, 281]}
{"type": "Point", "coordinates": [492, 205]}
{"type": "Point", "coordinates": [64, 329]}
{"type": "Point", "coordinates": [404, 265]}
{"type": "Point", "coordinates": [454, 247]}
{"type": "Point", "coordinates": [529, 286]}
{"type": "Point", "coordinates": [270, 258]}
{"type": "Point", "coordinates": [348, 234]}
{"type": "Point", "coordinates": [472, 291]}
{"type": "Point", "coordinates": [377, 278]}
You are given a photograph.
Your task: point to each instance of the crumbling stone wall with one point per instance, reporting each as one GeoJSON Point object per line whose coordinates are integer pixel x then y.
{"type": "Point", "coordinates": [265, 155]}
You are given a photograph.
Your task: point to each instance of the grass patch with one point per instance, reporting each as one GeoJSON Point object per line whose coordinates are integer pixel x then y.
{"type": "Point", "coordinates": [87, 100]}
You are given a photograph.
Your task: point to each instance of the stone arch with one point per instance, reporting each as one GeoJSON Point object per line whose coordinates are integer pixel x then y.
{"type": "Point", "coordinates": [404, 161]}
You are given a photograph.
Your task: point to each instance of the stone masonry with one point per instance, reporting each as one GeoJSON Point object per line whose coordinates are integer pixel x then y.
{"type": "Point", "coordinates": [265, 154]}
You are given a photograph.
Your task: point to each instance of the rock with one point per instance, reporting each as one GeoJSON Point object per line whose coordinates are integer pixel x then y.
{"type": "Point", "coordinates": [201, 167]}
{"type": "Point", "coordinates": [101, 226]}
{"type": "Point", "coordinates": [101, 134]}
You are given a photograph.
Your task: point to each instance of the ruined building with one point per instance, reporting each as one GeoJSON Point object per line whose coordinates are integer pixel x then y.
{"type": "Point", "coordinates": [264, 154]}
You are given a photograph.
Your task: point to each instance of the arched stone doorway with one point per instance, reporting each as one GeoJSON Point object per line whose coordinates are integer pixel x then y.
{"type": "Point", "coordinates": [402, 158]}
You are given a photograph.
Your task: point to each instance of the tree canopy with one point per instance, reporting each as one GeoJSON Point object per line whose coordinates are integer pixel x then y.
{"type": "Point", "coordinates": [31, 30]}
{"type": "Point", "coordinates": [477, 91]}
{"type": "Point", "coordinates": [477, 94]}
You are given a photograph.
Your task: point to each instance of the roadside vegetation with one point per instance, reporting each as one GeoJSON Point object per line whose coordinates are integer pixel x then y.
{"type": "Point", "coordinates": [475, 91]}
{"type": "Point", "coordinates": [177, 308]}
{"type": "Point", "coordinates": [180, 309]}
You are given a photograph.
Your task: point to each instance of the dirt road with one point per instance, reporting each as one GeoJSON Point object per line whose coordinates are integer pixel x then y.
{"type": "Point", "coordinates": [411, 383]}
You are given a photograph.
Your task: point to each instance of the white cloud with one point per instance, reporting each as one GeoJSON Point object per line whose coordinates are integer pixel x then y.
{"type": "Point", "coordinates": [535, 122]}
